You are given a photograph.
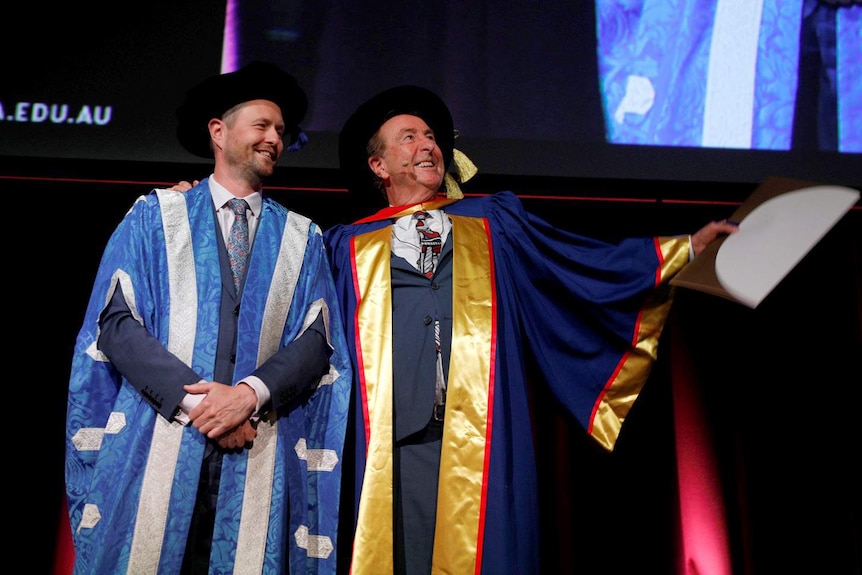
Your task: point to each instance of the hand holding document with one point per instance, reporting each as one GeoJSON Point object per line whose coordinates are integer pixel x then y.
{"type": "Point", "coordinates": [778, 225]}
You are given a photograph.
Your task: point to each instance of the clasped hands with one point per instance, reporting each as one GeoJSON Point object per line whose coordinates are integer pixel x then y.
{"type": "Point", "coordinates": [224, 414]}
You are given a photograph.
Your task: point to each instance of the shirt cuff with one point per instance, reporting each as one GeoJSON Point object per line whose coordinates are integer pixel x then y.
{"type": "Point", "coordinates": [262, 391]}
{"type": "Point", "coordinates": [189, 402]}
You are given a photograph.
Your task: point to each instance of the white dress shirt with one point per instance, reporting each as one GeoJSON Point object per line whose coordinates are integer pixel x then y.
{"type": "Point", "coordinates": [221, 196]}
{"type": "Point", "coordinates": [405, 239]}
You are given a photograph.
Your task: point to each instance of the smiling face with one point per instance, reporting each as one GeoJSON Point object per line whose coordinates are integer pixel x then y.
{"type": "Point", "coordinates": [247, 142]}
{"type": "Point", "coordinates": [408, 160]}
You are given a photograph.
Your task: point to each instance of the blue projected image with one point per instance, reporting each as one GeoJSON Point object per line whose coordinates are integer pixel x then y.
{"type": "Point", "coordinates": [685, 90]}
{"type": "Point", "coordinates": [739, 74]}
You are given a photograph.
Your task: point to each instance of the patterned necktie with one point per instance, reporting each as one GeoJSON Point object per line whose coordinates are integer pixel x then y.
{"type": "Point", "coordinates": [430, 244]}
{"type": "Point", "coordinates": [238, 241]}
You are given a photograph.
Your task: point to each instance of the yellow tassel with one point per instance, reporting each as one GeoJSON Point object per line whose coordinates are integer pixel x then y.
{"type": "Point", "coordinates": [464, 168]}
{"type": "Point", "coordinates": [453, 190]}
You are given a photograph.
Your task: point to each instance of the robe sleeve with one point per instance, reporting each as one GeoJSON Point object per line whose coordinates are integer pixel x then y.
{"type": "Point", "coordinates": [592, 311]}
{"type": "Point", "coordinates": [95, 384]}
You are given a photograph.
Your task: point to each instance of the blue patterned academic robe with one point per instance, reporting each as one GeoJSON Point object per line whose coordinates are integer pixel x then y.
{"type": "Point", "coordinates": [730, 66]}
{"type": "Point", "coordinates": [589, 313]}
{"type": "Point", "coordinates": [131, 475]}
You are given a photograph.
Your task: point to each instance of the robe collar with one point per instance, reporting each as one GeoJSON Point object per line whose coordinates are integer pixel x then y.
{"type": "Point", "coordinates": [394, 212]}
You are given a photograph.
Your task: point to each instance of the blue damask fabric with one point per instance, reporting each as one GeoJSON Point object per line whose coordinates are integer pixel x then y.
{"type": "Point", "coordinates": [716, 73]}
{"type": "Point", "coordinates": [131, 475]}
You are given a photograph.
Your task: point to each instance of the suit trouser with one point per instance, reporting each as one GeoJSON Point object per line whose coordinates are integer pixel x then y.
{"type": "Point", "coordinates": [417, 465]}
{"type": "Point", "coordinates": [199, 543]}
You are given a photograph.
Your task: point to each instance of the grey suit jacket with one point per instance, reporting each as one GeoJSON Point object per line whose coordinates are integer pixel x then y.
{"type": "Point", "coordinates": [160, 376]}
{"type": "Point", "coordinates": [416, 302]}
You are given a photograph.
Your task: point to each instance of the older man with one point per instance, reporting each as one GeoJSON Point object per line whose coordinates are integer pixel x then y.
{"type": "Point", "coordinates": [445, 299]}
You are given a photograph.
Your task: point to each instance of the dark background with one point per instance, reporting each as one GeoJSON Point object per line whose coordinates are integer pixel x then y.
{"type": "Point", "coordinates": [520, 78]}
{"type": "Point", "coordinates": [780, 384]}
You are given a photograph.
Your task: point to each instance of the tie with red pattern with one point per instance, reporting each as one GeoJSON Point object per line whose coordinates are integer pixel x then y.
{"type": "Point", "coordinates": [430, 244]}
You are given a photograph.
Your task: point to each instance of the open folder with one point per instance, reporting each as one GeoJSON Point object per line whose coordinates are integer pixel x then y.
{"type": "Point", "coordinates": [778, 225]}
